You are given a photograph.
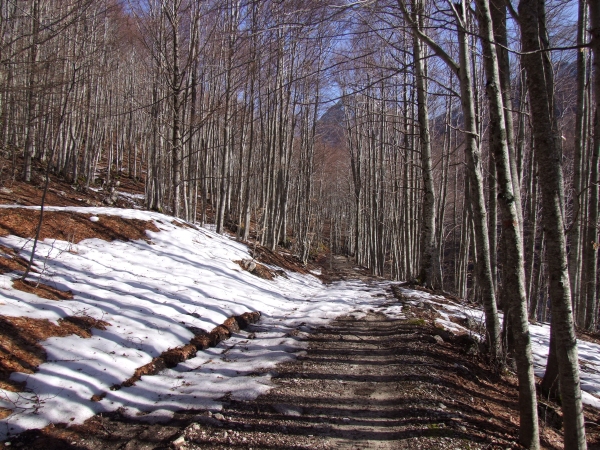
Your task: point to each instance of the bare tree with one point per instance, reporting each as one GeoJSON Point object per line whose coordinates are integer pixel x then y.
{"type": "Point", "coordinates": [548, 156]}
{"type": "Point", "coordinates": [513, 287]}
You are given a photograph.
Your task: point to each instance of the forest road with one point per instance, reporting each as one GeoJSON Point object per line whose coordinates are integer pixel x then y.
{"type": "Point", "coordinates": [365, 381]}
{"type": "Point", "coordinates": [368, 381]}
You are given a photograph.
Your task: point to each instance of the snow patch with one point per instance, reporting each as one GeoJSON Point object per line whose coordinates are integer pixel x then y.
{"type": "Point", "coordinates": [589, 352]}
{"type": "Point", "coordinates": [152, 294]}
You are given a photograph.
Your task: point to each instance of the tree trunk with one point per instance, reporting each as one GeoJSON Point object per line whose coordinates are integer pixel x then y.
{"type": "Point", "coordinates": [473, 154]}
{"type": "Point", "coordinates": [428, 275]}
{"type": "Point", "coordinates": [31, 95]}
{"type": "Point", "coordinates": [513, 286]}
{"type": "Point", "coordinates": [549, 159]}
{"type": "Point", "coordinates": [580, 138]}
{"type": "Point", "coordinates": [591, 242]}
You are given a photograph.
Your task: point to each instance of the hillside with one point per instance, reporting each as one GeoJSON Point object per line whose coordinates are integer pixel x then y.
{"type": "Point", "coordinates": [140, 323]}
{"type": "Point", "coordinates": [138, 330]}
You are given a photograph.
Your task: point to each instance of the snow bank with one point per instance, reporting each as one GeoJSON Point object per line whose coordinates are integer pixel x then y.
{"type": "Point", "coordinates": [151, 294]}
{"type": "Point", "coordinates": [589, 352]}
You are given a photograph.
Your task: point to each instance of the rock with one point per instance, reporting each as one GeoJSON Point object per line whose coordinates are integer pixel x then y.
{"type": "Point", "coordinates": [444, 334]}
{"type": "Point", "coordinates": [179, 442]}
{"type": "Point", "coordinates": [5, 190]}
{"type": "Point", "coordinates": [249, 265]}
{"type": "Point", "coordinates": [193, 427]}
{"type": "Point", "coordinates": [288, 410]}
{"type": "Point", "coordinates": [442, 406]}
{"type": "Point", "coordinates": [205, 420]}
{"type": "Point", "coordinates": [219, 416]}
{"type": "Point", "coordinates": [438, 339]}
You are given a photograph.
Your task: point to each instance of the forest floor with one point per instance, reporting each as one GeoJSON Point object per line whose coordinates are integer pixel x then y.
{"type": "Point", "coordinates": [367, 381]}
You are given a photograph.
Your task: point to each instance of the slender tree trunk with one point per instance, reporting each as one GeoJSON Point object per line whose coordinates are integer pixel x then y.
{"type": "Point", "coordinates": [473, 154]}
{"type": "Point", "coordinates": [549, 385]}
{"type": "Point", "coordinates": [592, 241]}
{"type": "Point", "coordinates": [429, 247]}
{"type": "Point", "coordinates": [549, 159]}
{"type": "Point", "coordinates": [493, 217]}
{"type": "Point", "coordinates": [580, 138]}
{"type": "Point", "coordinates": [31, 95]}
{"type": "Point", "coordinates": [513, 286]}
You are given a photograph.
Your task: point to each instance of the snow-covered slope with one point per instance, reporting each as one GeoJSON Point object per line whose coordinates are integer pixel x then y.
{"type": "Point", "coordinates": [589, 352]}
{"type": "Point", "coordinates": [151, 293]}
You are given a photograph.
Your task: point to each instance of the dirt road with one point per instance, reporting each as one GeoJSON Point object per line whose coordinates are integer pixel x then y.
{"type": "Point", "coordinates": [366, 381]}
{"type": "Point", "coordinates": [369, 383]}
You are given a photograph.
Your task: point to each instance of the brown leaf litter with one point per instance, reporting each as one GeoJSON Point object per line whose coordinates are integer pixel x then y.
{"type": "Point", "coordinates": [42, 290]}
{"type": "Point", "coordinates": [11, 261]}
{"type": "Point", "coordinates": [201, 341]}
{"type": "Point", "coordinates": [71, 226]}
{"type": "Point", "coordinates": [20, 337]}
{"type": "Point", "coordinates": [277, 258]}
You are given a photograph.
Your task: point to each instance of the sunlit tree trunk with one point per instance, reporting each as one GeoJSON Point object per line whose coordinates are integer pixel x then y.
{"type": "Point", "coordinates": [513, 286]}
{"type": "Point", "coordinates": [549, 159]}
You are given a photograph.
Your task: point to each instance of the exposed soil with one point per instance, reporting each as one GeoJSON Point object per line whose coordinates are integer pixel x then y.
{"type": "Point", "coordinates": [282, 259]}
{"type": "Point", "coordinates": [375, 383]}
{"type": "Point", "coordinates": [588, 336]}
{"type": "Point", "coordinates": [340, 268]}
{"type": "Point", "coordinates": [61, 192]}
{"type": "Point", "coordinates": [11, 261]}
{"type": "Point", "coordinates": [72, 227]}
{"type": "Point", "coordinates": [20, 337]}
{"type": "Point", "coordinates": [42, 290]}
{"type": "Point", "coordinates": [366, 382]}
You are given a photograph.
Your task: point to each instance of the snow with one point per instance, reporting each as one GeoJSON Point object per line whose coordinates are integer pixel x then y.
{"type": "Point", "coordinates": [150, 294]}
{"type": "Point", "coordinates": [132, 196]}
{"type": "Point", "coordinates": [589, 362]}
{"type": "Point", "coordinates": [589, 352]}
